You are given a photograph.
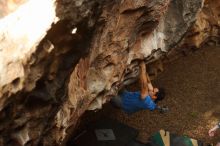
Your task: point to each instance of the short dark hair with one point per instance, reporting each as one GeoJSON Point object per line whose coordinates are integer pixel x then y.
{"type": "Point", "coordinates": [160, 94]}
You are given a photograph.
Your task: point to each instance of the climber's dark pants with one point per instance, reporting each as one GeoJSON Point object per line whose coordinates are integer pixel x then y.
{"type": "Point", "coordinates": [117, 101]}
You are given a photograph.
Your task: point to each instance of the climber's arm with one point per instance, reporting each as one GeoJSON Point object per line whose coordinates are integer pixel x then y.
{"type": "Point", "coordinates": [143, 81]}
{"type": "Point", "coordinates": [149, 84]}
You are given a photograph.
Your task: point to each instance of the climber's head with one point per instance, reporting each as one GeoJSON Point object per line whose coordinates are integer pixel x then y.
{"type": "Point", "coordinates": [159, 94]}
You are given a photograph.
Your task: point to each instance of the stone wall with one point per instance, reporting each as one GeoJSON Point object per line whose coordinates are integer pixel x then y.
{"type": "Point", "coordinates": [61, 58]}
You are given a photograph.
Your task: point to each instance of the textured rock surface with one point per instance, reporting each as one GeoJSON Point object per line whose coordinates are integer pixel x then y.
{"type": "Point", "coordinates": [50, 76]}
{"type": "Point", "coordinates": [18, 45]}
{"type": "Point", "coordinates": [206, 27]}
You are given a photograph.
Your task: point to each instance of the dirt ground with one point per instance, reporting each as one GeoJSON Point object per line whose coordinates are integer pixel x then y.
{"type": "Point", "coordinates": [192, 85]}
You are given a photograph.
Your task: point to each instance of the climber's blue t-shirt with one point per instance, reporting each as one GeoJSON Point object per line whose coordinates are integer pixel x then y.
{"type": "Point", "coordinates": [131, 102]}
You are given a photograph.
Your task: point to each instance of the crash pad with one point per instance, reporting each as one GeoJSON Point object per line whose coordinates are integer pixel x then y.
{"type": "Point", "coordinates": [165, 138]}
{"type": "Point", "coordinates": [106, 132]}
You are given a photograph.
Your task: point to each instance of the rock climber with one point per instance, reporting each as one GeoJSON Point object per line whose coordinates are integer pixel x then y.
{"type": "Point", "coordinates": [146, 98]}
{"type": "Point", "coordinates": [213, 131]}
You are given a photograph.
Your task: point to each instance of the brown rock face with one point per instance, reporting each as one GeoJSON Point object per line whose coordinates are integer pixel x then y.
{"type": "Point", "coordinates": [206, 27]}
{"type": "Point", "coordinates": [59, 59]}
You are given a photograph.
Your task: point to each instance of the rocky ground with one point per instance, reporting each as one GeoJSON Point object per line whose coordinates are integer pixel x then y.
{"type": "Point", "coordinates": [192, 85]}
